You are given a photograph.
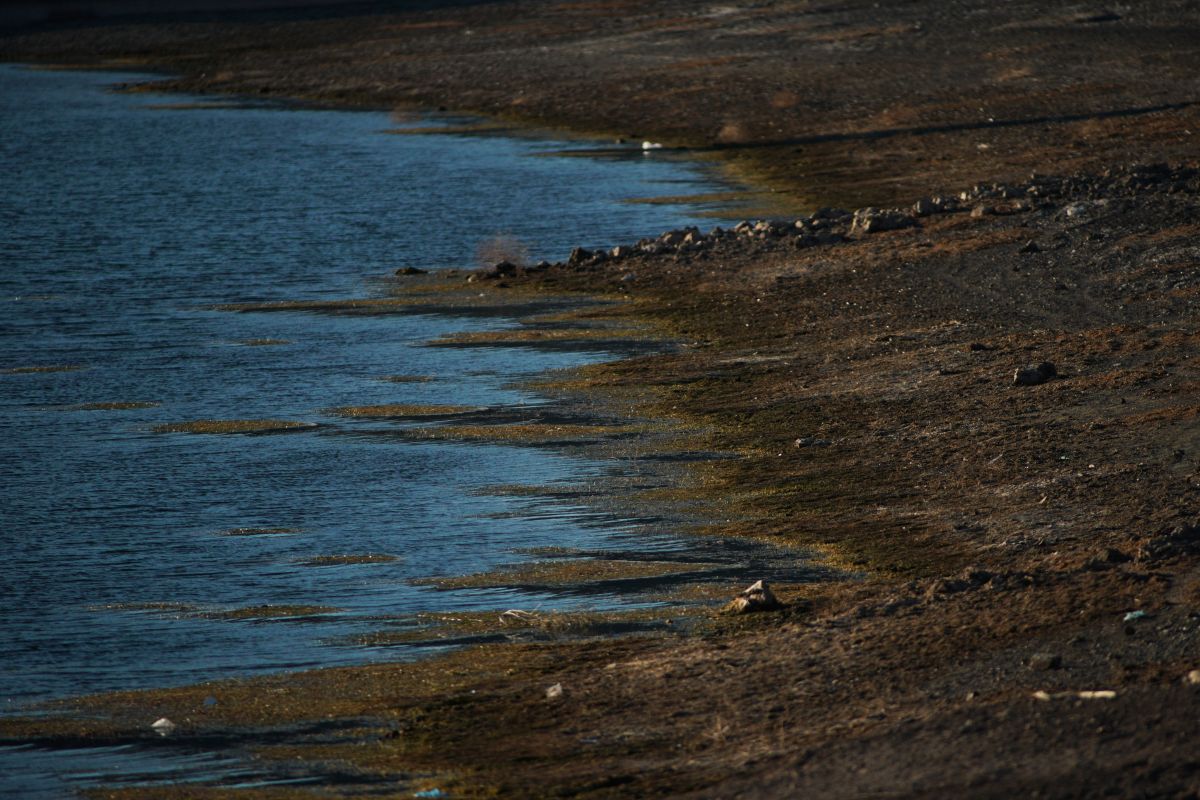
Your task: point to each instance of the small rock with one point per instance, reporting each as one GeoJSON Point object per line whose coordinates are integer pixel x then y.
{"type": "Point", "coordinates": [1193, 677]}
{"type": "Point", "coordinates": [980, 211]}
{"type": "Point", "coordinates": [1045, 661]}
{"type": "Point", "coordinates": [1030, 247]}
{"type": "Point", "coordinates": [925, 207]}
{"type": "Point", "coordinates": [411, 271]}
{"type": "Point", "coordinates": [579, 255]}
{"type": "Point", "coordinates": [554, 692]}
{"type": "Point", "coordinates": [163, 726]}
{"type": "Point", "coordinates": [1032, 376]}
{"type": "Point", "coordinates": [758, 597]}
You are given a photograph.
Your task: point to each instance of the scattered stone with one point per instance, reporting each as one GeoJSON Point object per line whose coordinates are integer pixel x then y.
{"type": "Point", "coordinates": [1030, 247]}
{"type": "Point", "coordinates": [980, 211]}
{"type": "Point", "coordinates": [411, 271]}
{"type": "Point", "coordinates": [1193, 677]}
{"type": "Point", "coordinates": [1133, 615]}
{"type": "Point", "coordinates": [1045, 661]}
{"type": "Point", "coordinates": [1033, 376]}
{"type": "Point", "coordinates": [579, 255]}
{"type": "Point", "coordinates": [758, 597]}
{"type": "Point", "coordinates": [554, 692]}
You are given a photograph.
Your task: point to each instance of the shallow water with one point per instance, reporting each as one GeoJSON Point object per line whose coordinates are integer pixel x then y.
{"type": "Point", "coordinates": [121, 222]}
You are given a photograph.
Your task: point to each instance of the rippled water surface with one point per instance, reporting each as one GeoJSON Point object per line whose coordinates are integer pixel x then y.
{"type": "Point", "coordinates": [121, 222]}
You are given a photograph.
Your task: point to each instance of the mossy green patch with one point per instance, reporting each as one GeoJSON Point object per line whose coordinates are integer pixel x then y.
{"type": "Point", "coordinates": [234, 426]}
{"type": "Point", "coordinates": [568, 572]}
{"type": "Point", "coordinates": [111, 406]}
{"type": "Point", "coordinates": [517, 337]}
{"type": "Point", "coordinates": [269, 612]}
{"type": "Point", "coordinates": [42, 368]}
{"type": "Point", "coordinates": [342, 560]}
{"type": "Point", "coordinates": [260, 531]}
{"type": "Point", "coordinates": [451, 626]}
{"type": "Point", "coordinates": [400, 410]}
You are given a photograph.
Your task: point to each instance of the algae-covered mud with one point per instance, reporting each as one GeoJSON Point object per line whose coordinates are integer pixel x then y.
{"type": "Point", "coordinates": [254, 492]}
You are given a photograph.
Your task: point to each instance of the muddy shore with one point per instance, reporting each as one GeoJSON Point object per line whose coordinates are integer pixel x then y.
{"type": "Point", "coordinates": [1025, 620]}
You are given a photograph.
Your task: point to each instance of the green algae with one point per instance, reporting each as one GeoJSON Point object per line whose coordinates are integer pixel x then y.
{"type": "Point", "coordinates": [260, 531]}
{"type": "Point", "coordinates": [568, 572]}
{"type": "Point", "coordinates": [536, 336]}
{"type": "Point", "coordinates": [531, 434]}
{"type": "Point", "coordinates": [449, 627]}
{"type": "Point", "coordinates": [342, 560]}
{"type": "Point", "coordinates": [269, 612]}
{"type": "Point", "coordinates": [399, 410]}
{"type": "Point", "coordinates": [214, 426]}
{"type": "Point", "coordinates": [111, 406]}
{"type": "Point", "coordinates": [31, 370]}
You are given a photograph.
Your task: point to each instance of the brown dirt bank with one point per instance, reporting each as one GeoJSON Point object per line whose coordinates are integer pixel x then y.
{"type": "Point", "coordinates": [866, 379]}
{"type": "Point", "coordinates": [847, 103]}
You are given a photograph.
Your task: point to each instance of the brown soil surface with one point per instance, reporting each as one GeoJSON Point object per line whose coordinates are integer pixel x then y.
{"type": "Point", "coordinates": [1005, 532]}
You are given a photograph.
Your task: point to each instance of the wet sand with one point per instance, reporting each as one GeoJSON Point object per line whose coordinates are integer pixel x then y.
{"type": "Point", "coordinates": [1019, 559]}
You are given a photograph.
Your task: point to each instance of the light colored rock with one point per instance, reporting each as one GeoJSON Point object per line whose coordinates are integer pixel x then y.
{"type": "Point", "coordinates": [758, 597]}
{"type": "Point", "coordinates": [554, 692]}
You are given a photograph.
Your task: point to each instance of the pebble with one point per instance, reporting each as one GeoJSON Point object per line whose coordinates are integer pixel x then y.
{"type": "Point", "coordinates": [1045, 661]}
{"type": "Point", "coordinates": [1034, 375]}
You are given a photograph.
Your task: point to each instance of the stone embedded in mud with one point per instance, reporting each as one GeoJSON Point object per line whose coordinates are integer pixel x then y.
{"type": "Point", "coordinates": [555, 692]}
{"type": "Point", "coordinates": [1045, 661]}
{"type": "Point", "coordinates": [1034, 375]}
{"type": "Point", "coordinates": [758, 597]}
{"type": "Point", "coordinates": [874, 220]}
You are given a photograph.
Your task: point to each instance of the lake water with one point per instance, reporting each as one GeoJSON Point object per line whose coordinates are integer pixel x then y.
{"type": "Point", "coordinates": [123, 219]}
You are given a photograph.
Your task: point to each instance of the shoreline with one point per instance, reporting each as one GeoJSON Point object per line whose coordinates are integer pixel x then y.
{"type": "Point", "coordinates": [1029, 544]}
